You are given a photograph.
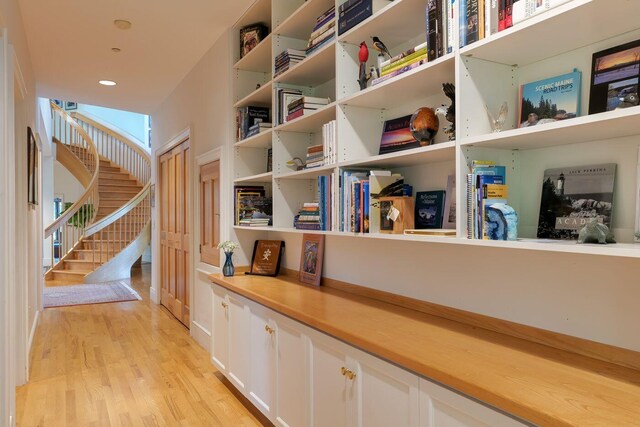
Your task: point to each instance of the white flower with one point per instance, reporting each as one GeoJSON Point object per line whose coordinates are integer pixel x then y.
{"type": "Point", "coordinates": [227, 246]}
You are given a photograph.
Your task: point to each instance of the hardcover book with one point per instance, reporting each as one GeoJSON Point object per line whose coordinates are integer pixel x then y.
{"type": "Point", "coordinates": [434, 29]}
{"type": "Point", "coordinates": [397, 136]}
{"type": "Point", "coordinates": [251, 36]}
{"type": "Point", "coordinates": [449, 219]}
{"type": "Point", "coordinates": [572, 197]}
{"type": "Point", "coordinates": [550, 100]}
{"type": "Point", "coordinates": [429, 209]}
{"type": "Point", "coordinates": [614, 78]}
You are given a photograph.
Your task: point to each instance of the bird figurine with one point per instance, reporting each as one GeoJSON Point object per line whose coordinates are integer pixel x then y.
{"type": "Point", "coordinates": [296, 164]}
{"type": "Point", "coordinates": [363, 57]}
{"type": "Point", "coordinates": [449, 112]}
{"type": "Point", "coordinates": [380, 47]}
{"type": "Point", "coordinates": [497, 122]}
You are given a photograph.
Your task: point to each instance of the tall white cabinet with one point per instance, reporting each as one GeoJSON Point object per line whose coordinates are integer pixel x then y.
{"type": "Point", "coordinates": [486, 74]}
{"type": "Point", "coordinates": [298, 376]}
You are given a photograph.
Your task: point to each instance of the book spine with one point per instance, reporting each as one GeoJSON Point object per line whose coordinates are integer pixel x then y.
{"type": "Point", "coordinates": [508, 15]}
{"type": "Point", "coordinates": [502, 12]}
{"type": "Point", "coordinates": [295, 115]}
{"type": "Point", "coordinates": [347, 5]}
{"type": "Point", "coordinates": [398, 72]}
{"type": "Point", "coordinates": [320, 45]}
{"type": "Point", "coordinates": [321, 30]}
{"type": "Point", "coordinates": [462, 23]}
{"type": "Point", "coordinates": [403, 55]}
{"type": "Point", "coordinates": [471, 11]}
{"type": "Point", "coordinates": [493, 17]}
{"type": "Point", "coordinates": [404, 61]}
{"type": "Point", "coordinates": [354, 16]}
{"type": "Point", "coordinates": [422, 57]}
{"type": "Point", "coordinates": [365, 206]}
{"type": "Point", "coordinates": [321, 38]}
{"type": "Point", "coordinates": [470, 204]}
{"type": "Point", "coordinates": [324, 19]}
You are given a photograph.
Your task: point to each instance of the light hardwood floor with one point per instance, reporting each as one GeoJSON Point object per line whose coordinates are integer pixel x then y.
{"type": "Point", "coordinates": [125, 364]}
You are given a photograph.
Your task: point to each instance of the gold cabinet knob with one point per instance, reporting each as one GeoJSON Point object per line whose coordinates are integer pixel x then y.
{"type": "Point", "coordinates": [347, 373]}
{"type": "Point", "coordinates": [269, 329]}
{"type": "Point", "coordinates": [343, 371]}
{"type": "Point", "coordinates": [224, 304]}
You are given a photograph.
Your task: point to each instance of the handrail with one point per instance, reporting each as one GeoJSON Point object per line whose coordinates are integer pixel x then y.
{"type": "Point", "coordinates": [67, 234]}
{"type": "Point", "coordinates": [119, 213]}
{"type": "Point", "coordinates": [118, 148]}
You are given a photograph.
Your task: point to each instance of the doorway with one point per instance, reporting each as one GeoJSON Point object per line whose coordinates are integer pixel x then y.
{"type": "Point", "coordinates": [175, 230]}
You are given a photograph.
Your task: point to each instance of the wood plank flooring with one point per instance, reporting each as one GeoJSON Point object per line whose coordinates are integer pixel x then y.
{"type": "Point", "coordinates": [125, 364]}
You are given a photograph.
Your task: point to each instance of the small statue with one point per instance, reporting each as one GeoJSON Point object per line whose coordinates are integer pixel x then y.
{"type": "Point", "coordinates": [296, 164]}
{"type": "Point", "coordinates": [424, 125]}
{"type": "Point", "coordinates": [498, 122]}
{"type": "Point", "coordinates": [363, 57]}
{"type": "Point", "coordinates": [594, 232]}
{"type": "Point", "coordinates": [449, 112]}
{"type": "Point", "coordinates": [380, 47]}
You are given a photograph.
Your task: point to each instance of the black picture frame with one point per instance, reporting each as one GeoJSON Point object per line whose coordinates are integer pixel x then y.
{"type": "Point", "coordinates": [70, 105]}
{"type": "Point", "coordinates": [32, 168]}
{"type": "Point", "coordinates": [614, 72]}
{"type": "Point", "coordinates": [262, 266]}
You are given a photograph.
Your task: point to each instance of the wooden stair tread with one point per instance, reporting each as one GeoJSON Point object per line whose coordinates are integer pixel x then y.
{"type": "Point", "coordinates": [74, 272]}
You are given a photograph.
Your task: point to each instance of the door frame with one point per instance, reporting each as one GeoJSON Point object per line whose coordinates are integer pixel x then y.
{"type": "Point", "coordinates": [155, 291]}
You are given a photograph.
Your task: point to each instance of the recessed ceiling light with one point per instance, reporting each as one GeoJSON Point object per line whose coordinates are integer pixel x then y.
{"type": "Point", "coordinates": [122, 24]}
{"type": "Point", "coordinates": [107, 82]}
{"type": "Point", "coordinates": [115, 49]}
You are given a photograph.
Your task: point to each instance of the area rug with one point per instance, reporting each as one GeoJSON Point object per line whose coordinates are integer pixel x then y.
{"type": "Point", "coordinates": [60, 296]}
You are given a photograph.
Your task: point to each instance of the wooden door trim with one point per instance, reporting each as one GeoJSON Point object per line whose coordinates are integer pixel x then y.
{"type": "Point", "coordinates": [208, 157]}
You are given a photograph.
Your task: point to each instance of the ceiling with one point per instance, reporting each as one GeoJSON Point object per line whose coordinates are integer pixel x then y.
{"type": "Point", "coordinates": [70, 43]}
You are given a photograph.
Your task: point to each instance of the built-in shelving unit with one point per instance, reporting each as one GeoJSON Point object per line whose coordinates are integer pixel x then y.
{"type": "Point", "coordinates": [486, 73]}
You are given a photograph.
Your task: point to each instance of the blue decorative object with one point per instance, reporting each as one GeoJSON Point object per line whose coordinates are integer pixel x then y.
{"type": "Point", "coordinates": [228, 269]}
{"type": "Point", "coordinates": [501, 222]}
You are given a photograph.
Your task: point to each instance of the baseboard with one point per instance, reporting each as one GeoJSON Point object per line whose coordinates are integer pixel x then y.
{"type": "Point", "coordinates": [201, 335]}
{"type": "Point", "coordinates": [153, 294]}
{"type": "Point", "coordinates": [36, 319]}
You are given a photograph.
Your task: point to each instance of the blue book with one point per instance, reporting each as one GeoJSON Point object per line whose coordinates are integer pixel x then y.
{"type": "Point", "coordinates": [355, 15]}
{"type": "Point", "coordinates": [356, 207]}
{"type": "Point", "coordinates": [550, 100]}
{"type": "Point", "coordinates": [463, 23]}
{"type": "Point", "coordinates": [365, 206]}
{"type": "Point", "coordinates": [478, 171]}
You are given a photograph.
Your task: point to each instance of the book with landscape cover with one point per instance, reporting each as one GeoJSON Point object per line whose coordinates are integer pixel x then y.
{"type": "Point", "coordinates": [572, 197]}
{"type": "Point", "coordinates": [550, 100]}
{"type": "Point", "coordinates": [429, 209]}
{"type": "Point", "coordinates": [251, 36]}
{"type": "Point", "coordinates": [397, 136]}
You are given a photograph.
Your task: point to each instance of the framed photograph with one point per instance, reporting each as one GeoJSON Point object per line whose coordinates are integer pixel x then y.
{"type": "Point", "coordinates": [70, 105]}
{"type": "Point", "coordinates": [614, 78]}
{"type": "Point", "coordinates": [266, 257]}
{"type": "Point", "coordinates": [32, 168]}
{"type": "Point", "coordinates": [311, 259]}
{"type": "Point", "coordinates": [251, 36]}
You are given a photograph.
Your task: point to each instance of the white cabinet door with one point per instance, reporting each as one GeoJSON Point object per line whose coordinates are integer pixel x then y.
{"type": "Point", "coordinates": [331, 390]}
{"type": "Point", "coordinates": [238, 363]}
{"type": "Point", "coordinates": [220, 336]}
{"type": "Point", "coordinates": [293, 375]}
{"type": "Point", "coordinates": [441, 407]}
{"type": "Point", "coordinates": [262, 359]}
{"type": "Point", "coordinates": [386, 395]}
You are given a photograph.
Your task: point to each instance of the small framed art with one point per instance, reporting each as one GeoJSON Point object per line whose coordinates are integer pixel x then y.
{"type": "Point", "coordinates": [266, 257]}
{"type": "Point", "coordinates": [311, 259]}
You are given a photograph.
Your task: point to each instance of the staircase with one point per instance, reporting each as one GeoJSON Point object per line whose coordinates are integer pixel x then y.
{"type": "Point", "coordinates": [109, 227]}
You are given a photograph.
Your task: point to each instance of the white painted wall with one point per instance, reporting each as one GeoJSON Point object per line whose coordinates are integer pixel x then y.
{"type": "Point", "coordinates": [65, 184]}
{"type": "Point", "coordinates": [586, 296]}
{"type": "Point", "coordinates": [199, 103]}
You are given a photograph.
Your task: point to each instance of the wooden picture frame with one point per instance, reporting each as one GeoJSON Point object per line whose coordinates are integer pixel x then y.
{"type": "Point", "coordinates": [266, 258]}
{"type": "Point", "coordinates": [32, 168]}
{"type": "Point", "coordinates": [311, 256]}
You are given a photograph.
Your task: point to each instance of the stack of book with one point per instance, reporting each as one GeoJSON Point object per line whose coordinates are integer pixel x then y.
{"type": "Point", "coordinates": [257, 128]}
{"type": "Point", "coordinates": [304, 105]}
{"type": "Point", "coordinates": [486, 184]}
{"type": "Point", "coordinates": [251, 206]}
{"type": "Point", "coordinates": [317, 215]}
{"type": "Point", "coordinates": [315, 156]}
{"type": "Point", "coordinates": [323, 32]}
{"type": "Point", "coordinates": [353, 12]}
{"type": "Point", "coordinates": [283, 97]}
{"type": "Point", "coordinates": [482, 18]}
{"type": "Point", "coordinates": [287, 59]}
{"type": "Point", "coordinates": [246, 117]}
{"type": "Point", "coordinates": [308, 217]}
{"type": "Point", "coordinates": [402, 63]}
{"type": "Point", "coordinates": [329, 141]}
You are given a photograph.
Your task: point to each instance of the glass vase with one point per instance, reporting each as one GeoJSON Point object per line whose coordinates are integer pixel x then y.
{"type": "Point", "coordinates": [228, 269]}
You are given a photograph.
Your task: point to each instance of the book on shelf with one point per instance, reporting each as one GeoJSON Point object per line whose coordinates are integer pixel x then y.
{"type": "Point", "coordinates": [572, 197]}
{"type": "Point", "coordinates": [320, 44]}
{"type": "Point", "coordinates": [525, 9]}
{"type": "Point", "coordinates": [269, 159]}
{"type": "Point", "coordinates": [434, 21]}
{"type": "Point", "coordinates": [254, 209]}
{"type": "Point", "coordinates": [286, 59]}
{"type": "Point", "coordinates": [429, 209]}
{"type": "Point", "coordinates": [331, 23]}
{"type": "Point", "coordinates": [491, 194]}
{"type": "Point", "coordinates": [384, 65]}
{"type": "Point", "coordinates": [329, 141]}
{"type": "Point", "coordinates": [357, 11]}
{"type": "Point", "coordinates": [398, 72]}
{"type": "Point", "coordinates": [315, 156]}
{"type": "Point", "coordinates": [482, 173]}
{"type": "Point", "coordinates": [452, 16]}
{"type": "Point", "coordinates": [308, 101]}
{"type": "Point", "coordinates": [257, 128]}
{"type": "Point", "coordinates": [396, 136]}
{"type": "Point", "coordinates": [242, 191]}
{"type": "Point", "coordinates": [316, 215]}
{"type": "Point", "coordinates": [418, 55]}
{"type": "Point", "coordinates": [249, 116]}
{"type": "Point", "coordinates": [550, 100]}
{"type": "Point", "coordinates": [449, 219]}
{"type": "Point", "coordinates": [283, 97]}
{"type": "Point", "coordinates": [251, 36]}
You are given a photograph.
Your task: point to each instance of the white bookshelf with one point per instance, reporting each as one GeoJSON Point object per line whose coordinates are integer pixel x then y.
{"type": "Point", "coordinates": [487, 72]}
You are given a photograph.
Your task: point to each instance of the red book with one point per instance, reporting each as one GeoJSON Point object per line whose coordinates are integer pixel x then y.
{"type": "Point", "coordinates": [502, 23]}
{"type": "Point", "coordinates": [508, 19]}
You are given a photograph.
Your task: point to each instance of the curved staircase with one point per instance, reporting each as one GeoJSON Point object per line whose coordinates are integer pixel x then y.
{"type": "Point", "coordinates": [101, 235]}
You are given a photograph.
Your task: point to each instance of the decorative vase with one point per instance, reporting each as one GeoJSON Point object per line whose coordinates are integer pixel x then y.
{"type": "Point", "coordinates": [228, 269]}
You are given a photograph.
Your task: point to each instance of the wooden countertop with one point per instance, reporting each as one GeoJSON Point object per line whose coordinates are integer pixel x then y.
{"type": "Point", "coordinates": [540, 384]}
